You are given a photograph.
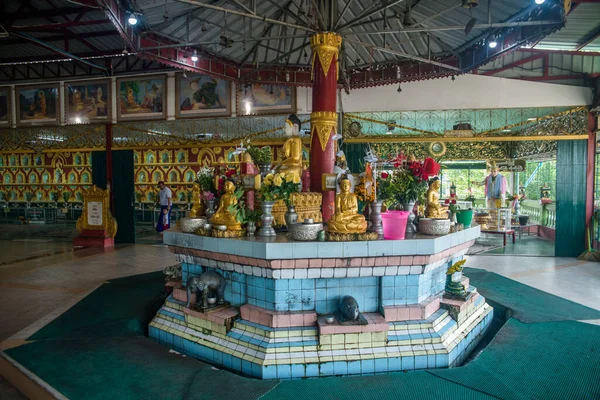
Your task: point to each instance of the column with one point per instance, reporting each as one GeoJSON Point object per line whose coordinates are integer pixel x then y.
{"type": "Point", "coordinates": [323, 119]}
{"type": "Point", "coordinates": [109, 168]}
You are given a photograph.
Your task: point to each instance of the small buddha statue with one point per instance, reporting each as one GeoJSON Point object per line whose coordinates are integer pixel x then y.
{"type": "Point", "coordinates": [346, 218]}
{"type": "Point", "coordinates": [292, 149]}
{"type": "Point", "coordinates": [197, 206]}
{"type": "Point", "coordinates": [433, 208]}
{"type": "Point", "coordinates": [223, 216]}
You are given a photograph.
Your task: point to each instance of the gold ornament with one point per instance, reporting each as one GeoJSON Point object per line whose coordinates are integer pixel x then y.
{"type": "Point", "coordinates": [346, 218]}
{"type": "Point", "coordinates": [224, 216]}
{"type": "Point", "coordinates": [433, 209]}
{"type": "Point", "coordinates": [324, 123]}
{"type": "Point", "coordinates": [324, 47]}
{"type": "Point", "coordinates": [96, 213]}
{"type": "Point", "coordinates": [198, 206]}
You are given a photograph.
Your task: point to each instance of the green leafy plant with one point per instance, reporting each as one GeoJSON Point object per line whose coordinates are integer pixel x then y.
{"type": "Point", "coordinates": [279, 187]}
{"type": "Point", "coordinates": [260, 155]}
{"type": "Point", "coordinates": [253, 215]}
{"type": "Point", "coordinates": [239, 209]}
{"type": "Point", "coordinates": [206, 178]}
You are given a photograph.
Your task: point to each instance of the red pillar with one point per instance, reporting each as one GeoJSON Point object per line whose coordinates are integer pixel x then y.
{"type": "Point", "coordinates": [109, 169]}
{"type": "Point", "coordinates": [325, 48]}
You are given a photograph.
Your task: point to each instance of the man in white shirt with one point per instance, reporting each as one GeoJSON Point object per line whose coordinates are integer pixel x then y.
{"type": "Point", "coordinates": [165, 197]}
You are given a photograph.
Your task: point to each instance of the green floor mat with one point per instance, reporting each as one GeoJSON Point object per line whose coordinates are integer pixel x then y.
{"type": "Point", "coordinates": [551, 360]}
{"type": "Point", "coordinates": [131, 368]}
{"type": "Point", "coordinates": [415, 385]}
{"type": "Point", "coordinates": [527, 304]}
{"type": "Point", "coordinates": [123, 307]}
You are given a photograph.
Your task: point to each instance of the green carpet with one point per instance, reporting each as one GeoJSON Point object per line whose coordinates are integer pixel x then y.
{"type": "Point", "coordinates": [97, 350]}
{"type": "Point", "coordinates": [123, 307]}
{"type": "Point", "coordinates": [526, 303]}
{"type": "Point", "coordinates": [550, 360]}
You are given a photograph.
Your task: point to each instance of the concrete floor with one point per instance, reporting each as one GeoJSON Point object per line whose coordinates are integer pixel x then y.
{"type": "Point", "coordinates": [35, 291]}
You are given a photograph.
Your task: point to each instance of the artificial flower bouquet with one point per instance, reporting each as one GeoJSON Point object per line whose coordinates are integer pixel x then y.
{"type": "Point", "coordinates": [280, 187]}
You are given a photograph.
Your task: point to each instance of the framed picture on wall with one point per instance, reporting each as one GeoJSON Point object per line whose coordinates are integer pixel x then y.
{"type": "Point", "coordinates": [88, 101]}
{"type": "Point", "coordinates": [5, 106]}
{"type": "Point", "coordinates": [260, 99]}
{"type": "Point", "coordinates": [201, 96]}
{"type": "Point", "coordinates": [38, 105]}
{"type": "Point", "coordinates": [142, 97]}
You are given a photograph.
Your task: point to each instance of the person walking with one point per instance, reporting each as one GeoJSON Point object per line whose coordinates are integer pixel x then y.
{"type": "Point", "coordinates": [165, 197]}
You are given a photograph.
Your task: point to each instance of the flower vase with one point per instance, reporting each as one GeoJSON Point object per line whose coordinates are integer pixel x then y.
{"type": "Point", "coordinates": [410, 225]}
{"type": "Point", "coordinates": [375, 218]}
{"type": "Point", "coordinates": [264, 169]}
{"type": "Point", "coordinates": [266, 219]}
{"type": "Point", "coordinates": [210, 208]}
{"type": "Point", "coordinates": [452, 216]}
{"type": "Point", "coordinates": [250, 228]}
{"type": "Point", "coordinates": [291, 217]}
{"type": "Point", "coordinates": [517, 208]}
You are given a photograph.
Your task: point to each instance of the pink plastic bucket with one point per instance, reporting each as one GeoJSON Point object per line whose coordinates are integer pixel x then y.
{"type": "Point", "coordinates": [394, 224]}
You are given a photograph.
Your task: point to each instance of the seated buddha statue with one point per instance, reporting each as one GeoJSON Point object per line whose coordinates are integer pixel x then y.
{"type": "Point", "coordinates": [292, 149]}
{"type": "Point", "coordinates": [433, 208]}
{"type": "Point", "coordinates": [197, 206]}
{"type": "Point", "coordinates": [346, 218]}
{"type": "Point", "coordinates": [223, 216]}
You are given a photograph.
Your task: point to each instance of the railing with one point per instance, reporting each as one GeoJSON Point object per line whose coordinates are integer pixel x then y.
{"type": "Point", "coordinates": [541, 214]}
{"type": "Point", "coordinates": [550, 215]}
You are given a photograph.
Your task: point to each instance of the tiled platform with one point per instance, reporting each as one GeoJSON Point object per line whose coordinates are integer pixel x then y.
{"type": "Point", "coordinates": [280, 292]}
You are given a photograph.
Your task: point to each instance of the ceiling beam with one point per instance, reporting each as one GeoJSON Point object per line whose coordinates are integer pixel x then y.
{"type": "Point", "coordinates": [368, 13]}
{"type": "Point", "coordinates": [59, 51]}
{"type": "Point", "coordinates": [589, 39]}
{"type": "Point", "coordinates": [60, 38]}
{"type": "Point", "coordinates": [454, 28]}
{"type": "Point", "coordinates": [404, 55]}
{"type": "Point", "coordinates": [513, 64]}
{"type": "Point", "coordinates": [50, 27]}
{"type": "Point", "coordinates": [250, 16]}
{"type": "Point", "coordinates": [346, 7]}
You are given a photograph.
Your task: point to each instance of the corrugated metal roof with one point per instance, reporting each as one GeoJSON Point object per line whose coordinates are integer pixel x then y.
{"type": "Point", "coordinates": [583, 21]}
{"type": "Point", "coordinates": [186, 20]}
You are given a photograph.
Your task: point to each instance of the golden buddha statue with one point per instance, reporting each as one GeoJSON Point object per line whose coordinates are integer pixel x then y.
{"type": "Point", "coordinates": [223, 216]}
{"type": "Point", "coordinates": [292, 149]}
{"type": "Point", "coordinates": [197, 206]}
{"type": "Point", "coordinates": [433, 208]}
{"type": "Point", "coordinates": [346, 218]}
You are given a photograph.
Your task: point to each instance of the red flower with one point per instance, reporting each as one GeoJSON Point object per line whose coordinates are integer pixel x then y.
{"type": "Point", "coordinates": [431, 167]}
{"type": "Point", "coordinates": [447, 201]}
{"type": "Point", "coordinates": [453, 201]}
{"type": "Point", "coordinates": [230, 173]}
{"type": "Point", "coordinates": [384, 175]}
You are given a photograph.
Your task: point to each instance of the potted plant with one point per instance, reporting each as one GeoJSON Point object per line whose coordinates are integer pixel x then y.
{"type": "Point", "coordinates": [262, 157]}
{"type": "Point", "coordinates": [252, 217]}
{"type": "Point", "coordinates": [275, 187]}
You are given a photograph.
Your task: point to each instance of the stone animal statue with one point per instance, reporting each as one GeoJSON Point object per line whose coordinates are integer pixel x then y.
{"type": "Point", "coordinates": [172, 272]}
{"type": "Point", "coordinates": [348, 310]}
{"type": "Point", "coordinates": [210, 281]}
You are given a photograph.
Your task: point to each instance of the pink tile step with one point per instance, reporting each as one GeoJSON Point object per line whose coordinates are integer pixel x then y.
{"type": "Point", "coordinates": [412, 312]}
{"type": "Point", "coordinates": [224, 316]}
{"type": "Point", "coordinates": [277, 319]}
{"type": "Point", "coordinates": [376, 323]}
{"type": "Point", "coordinates": [180, 294]}
{"type": "Point", "coordinates": [460, 305]}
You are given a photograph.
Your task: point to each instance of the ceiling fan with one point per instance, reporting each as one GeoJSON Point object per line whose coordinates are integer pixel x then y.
{"type": "Point", "coordinates": [470, 4]}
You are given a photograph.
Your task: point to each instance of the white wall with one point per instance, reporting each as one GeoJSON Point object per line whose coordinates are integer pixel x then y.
{"type": "Point", "coordinates": [466, 92]}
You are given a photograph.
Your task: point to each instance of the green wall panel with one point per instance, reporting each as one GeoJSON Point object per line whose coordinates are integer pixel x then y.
{"type": "Point", "coordinates": [570, 197]}
{"type": "Point", "coordinates": [355, 155]}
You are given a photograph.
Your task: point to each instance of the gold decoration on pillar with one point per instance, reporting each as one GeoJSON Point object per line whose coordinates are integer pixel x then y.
{"type": "Point", "coordinates": [323, 123]}
{"type": "Point", "coordinates": [324, 46]}
{"type": "Point", "coordinates": [96, 213]}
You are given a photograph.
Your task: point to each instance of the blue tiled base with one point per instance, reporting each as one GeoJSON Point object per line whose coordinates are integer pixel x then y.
{"type": "Point", "coordinates": [266, 353]}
